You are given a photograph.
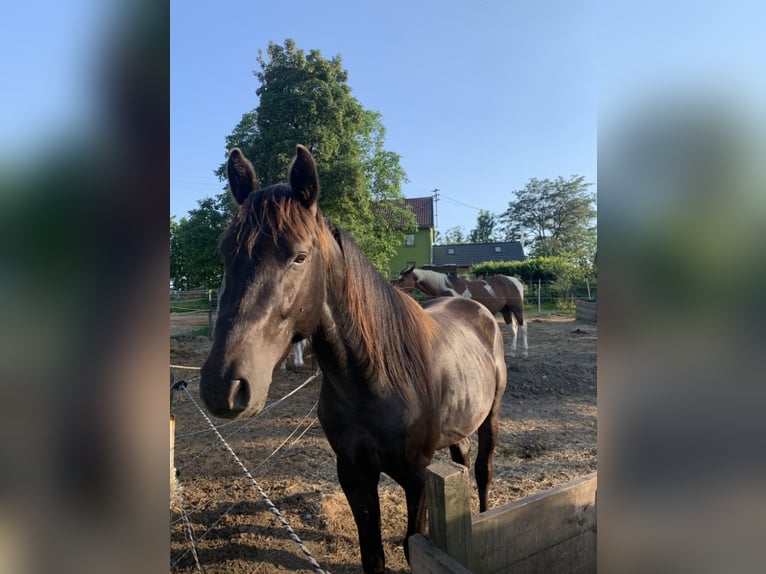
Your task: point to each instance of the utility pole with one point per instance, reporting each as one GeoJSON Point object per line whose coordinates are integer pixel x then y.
{"type": "Point", "coordinates": [436, 219]}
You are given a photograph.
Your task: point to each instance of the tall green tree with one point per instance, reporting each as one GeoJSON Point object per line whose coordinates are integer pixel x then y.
{"type": "Point", "coordinates": [452, 236]}
{"type": "Point", "coordinates": [484, 232]}
{"type": "Point", "coordinates": [305, 98]}
{"type": "Point", "coordinates": [194, 257]}
{"type": "Point", "coordinates": [554, 218]}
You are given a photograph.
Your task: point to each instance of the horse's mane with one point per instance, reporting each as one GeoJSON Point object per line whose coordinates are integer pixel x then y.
{"type": "Point", "coordinates": [438, 281]}
{"type": "Point", "coordinates": [389, 325]}
{"type": "Point", "coordinates": [271, 212]}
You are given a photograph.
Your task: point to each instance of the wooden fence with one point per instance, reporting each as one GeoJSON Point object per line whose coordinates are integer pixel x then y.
{"type": "Point", "coordinates": [552, 532]}
{"type": "Point", "coordinates": [175, 488]}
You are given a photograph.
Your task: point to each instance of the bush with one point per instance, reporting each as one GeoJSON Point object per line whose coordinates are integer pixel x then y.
{"type": "Point", "coordinates": [563, 280]}
{"type": "Point", "coordinates": [531, 270]}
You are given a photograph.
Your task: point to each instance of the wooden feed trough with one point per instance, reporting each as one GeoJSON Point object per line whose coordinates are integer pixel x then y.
{"type": "Point", "coordinates": [586, 310]}
{"type": "Point", "coordinates": [552, 532]}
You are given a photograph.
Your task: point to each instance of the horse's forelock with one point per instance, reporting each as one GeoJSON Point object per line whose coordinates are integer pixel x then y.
{"type": "Point", "coordinates": [272, 213]}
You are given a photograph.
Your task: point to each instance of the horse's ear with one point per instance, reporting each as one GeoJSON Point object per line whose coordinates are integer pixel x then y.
{"type": "Point", "coordinates": [303, 177]}
{"type": "Point", "coordinates": [242, 179]}
{"type": "Point", "coordinates": [407, 269]}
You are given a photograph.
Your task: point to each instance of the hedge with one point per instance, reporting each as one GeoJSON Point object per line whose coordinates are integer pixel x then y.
{"type": "Point", "coordinates": [530, 270]}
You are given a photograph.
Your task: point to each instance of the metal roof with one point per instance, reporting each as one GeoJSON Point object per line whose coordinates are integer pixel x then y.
{"type": "Point", "coordinates": [467, 254]}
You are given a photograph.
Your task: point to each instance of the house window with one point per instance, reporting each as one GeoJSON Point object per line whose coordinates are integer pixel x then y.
{"type": "Point", "coordinates": [409, 240]}
{"type": "Point", "coordinates": [498, 249]}
{"type": "Point", "coordinates": [450, 251]}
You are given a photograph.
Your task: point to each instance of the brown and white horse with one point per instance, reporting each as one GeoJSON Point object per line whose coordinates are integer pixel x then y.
{"type": "Point", "coordinates": [399, 381]}
{"type": "Point", "coordinates": [498, 293]}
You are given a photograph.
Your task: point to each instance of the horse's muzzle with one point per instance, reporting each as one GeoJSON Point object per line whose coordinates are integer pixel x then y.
{"type": "Point", "coordinates": [228, 402]}
{"type": "Point", "coordinates": [239, 396]}
{"type": "Point", "coordinates": [231, 398]}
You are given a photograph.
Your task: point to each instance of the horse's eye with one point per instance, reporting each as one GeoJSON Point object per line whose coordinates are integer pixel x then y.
{"type": "Point", "coordinates": [300, 258]}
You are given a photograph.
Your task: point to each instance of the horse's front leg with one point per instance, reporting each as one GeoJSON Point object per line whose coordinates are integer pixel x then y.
{"type": "Point", "coordinates": [416, 511]}
{"type": "Point", "coordinates": [360, 485]}
{"type": "Point", "coordinates": [411, 477]}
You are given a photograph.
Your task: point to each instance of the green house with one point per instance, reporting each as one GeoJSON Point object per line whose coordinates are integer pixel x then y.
{"type": "Point", "coordinates": [415, 248]}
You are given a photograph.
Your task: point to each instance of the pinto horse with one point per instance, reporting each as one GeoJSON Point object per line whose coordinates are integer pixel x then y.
{"type": "Point", "coordinates": [498, 293]}
{"type": "Point", "coordinates": [399, 381]}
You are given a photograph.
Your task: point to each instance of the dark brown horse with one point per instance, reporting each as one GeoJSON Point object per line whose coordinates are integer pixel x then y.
{"type": "Point", "coordinates": [399, 381]}
{"type": "Point", "coordinates": [498, 293]}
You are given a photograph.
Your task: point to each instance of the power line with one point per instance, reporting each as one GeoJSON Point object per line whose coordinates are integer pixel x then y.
{"type": "Point", "coordinates": [461, 203]}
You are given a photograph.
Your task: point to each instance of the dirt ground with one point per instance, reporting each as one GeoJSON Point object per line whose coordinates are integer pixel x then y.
{"type": "Point", "coordinates": [547, 437]}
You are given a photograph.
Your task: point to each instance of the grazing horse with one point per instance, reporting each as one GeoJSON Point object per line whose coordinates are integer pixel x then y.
{"type": "Point", "coordinates": [498, 293]}
{"type": "Point", "coordinates": [399, 381]}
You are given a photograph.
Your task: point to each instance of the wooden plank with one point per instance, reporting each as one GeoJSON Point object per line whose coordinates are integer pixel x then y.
{"type": "Point", "coordinates": [175, 491]}
{"type": "Point", "coordinates": [172, 449]}
{"type": "Point", "coordinates": [587, 317]}
{"type": "Point", "coordinates": [511, 533]}
{"type": "Point", "coordinates": [574, 556]}
{"type": "Point", "coordinates": [586, 313]}
{"type": "Point", "coordinates": [448, 497]}
{"type": "Point", "coordinates": [427, 558]}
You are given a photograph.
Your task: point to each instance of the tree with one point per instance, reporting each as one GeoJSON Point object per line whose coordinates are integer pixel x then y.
{"type": "Point", "coordinates": [484, 232]}
{"type": "Point", "coordinates": [306, 99]}
{"type": "Point", "coordinates": [194, 258]}
{"type": "Point", "coordinates": [555, 218]}
{"type": "Point", "coordinates": [452, 236]}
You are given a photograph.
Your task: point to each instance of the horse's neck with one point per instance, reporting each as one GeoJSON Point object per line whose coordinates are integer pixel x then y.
{"type": "Point", "coordinates": [458, 284]}
{"type": "Point", "coordinates": [433, 283]}
{"type": "Point", "coordinates": [429, 288]}
{"type": "Point", "coordinates": [336, 343]}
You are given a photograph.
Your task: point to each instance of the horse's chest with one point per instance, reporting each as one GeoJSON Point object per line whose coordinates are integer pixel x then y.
{"type": "Point", "coordinates": [346, 409]}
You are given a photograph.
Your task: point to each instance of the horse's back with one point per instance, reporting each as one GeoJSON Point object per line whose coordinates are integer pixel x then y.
{"type": "Point", "coordinates": [455, 313]}
{"type": "Point", "coordinates": [512, 287]}
{"type": "Point", "coordinates": [469, 364]}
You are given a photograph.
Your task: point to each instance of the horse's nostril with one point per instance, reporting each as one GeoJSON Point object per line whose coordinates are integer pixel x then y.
{"type": "Point", "coordinates": [239, 395]}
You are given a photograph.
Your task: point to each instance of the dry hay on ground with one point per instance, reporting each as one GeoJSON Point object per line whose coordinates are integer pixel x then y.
{"type": "Point", "coordinates": [547, 437]}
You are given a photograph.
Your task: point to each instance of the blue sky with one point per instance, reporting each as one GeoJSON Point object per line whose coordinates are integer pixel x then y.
{"type": "Point", "coordinates": [477, 97]}
{"type": "Point", "coordinates": [47, 69]}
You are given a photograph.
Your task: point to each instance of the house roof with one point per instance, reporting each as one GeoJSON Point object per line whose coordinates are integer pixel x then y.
{"type": "Point", "coordinates": [467, 254]}
{"type": "Point", "coordinates": [422, 207]}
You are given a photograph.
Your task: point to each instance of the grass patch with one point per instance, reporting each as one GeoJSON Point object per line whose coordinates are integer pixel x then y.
{"type": "Point", "coordinates": [200, 332]}
{"type": "Point", "coordinates": [189, 305]}
{"type": "Point", "coordinates": [549, 308]}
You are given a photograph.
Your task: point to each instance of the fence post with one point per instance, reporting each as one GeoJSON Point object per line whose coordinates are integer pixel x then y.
{"type": "Point", "coordinates": [539, 291]}
{"type": "Point", "coordinates": [587, 285]}
{"type": "Point", "coordinates": [449, 509]}
{"type": "Point", "coordinates": [174, 490]}
{"type": "Point", "coordinates": [172, 448]}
